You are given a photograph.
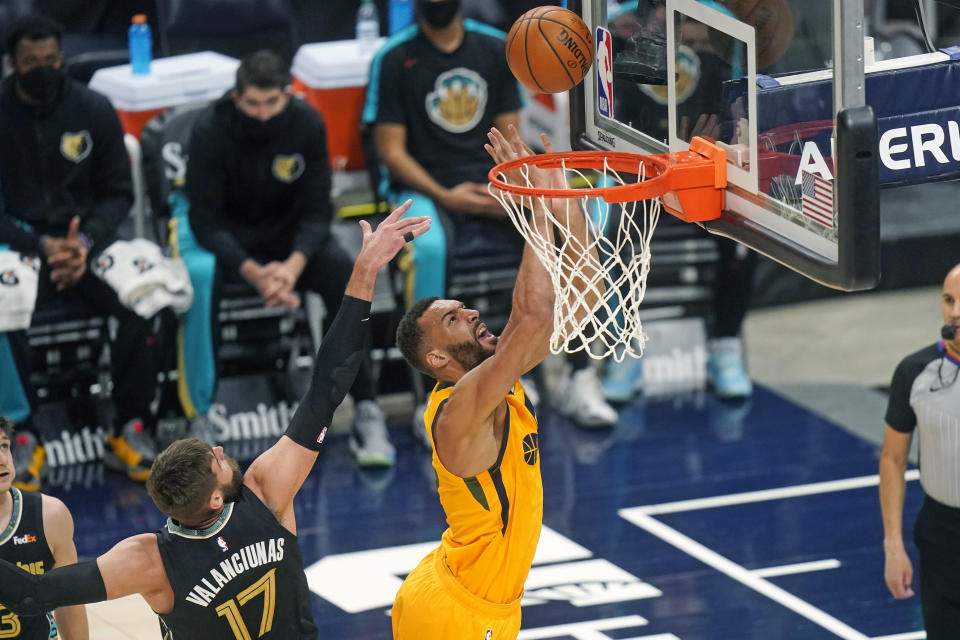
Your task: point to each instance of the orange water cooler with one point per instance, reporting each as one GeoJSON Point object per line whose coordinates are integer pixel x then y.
{"type": "Point", "coordinates": [332, 76]}
{"type": "Point", "coordinates": [173, 81]}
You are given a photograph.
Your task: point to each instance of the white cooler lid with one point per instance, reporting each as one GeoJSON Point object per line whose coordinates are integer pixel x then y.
{"type": "Point", "coordinates": [172, 81]}
{"type": "Point", "coordinates": [331, 65]}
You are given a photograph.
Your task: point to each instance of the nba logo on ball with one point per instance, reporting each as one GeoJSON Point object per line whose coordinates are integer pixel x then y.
{"type": "Point", "coordinates": [604, 73]}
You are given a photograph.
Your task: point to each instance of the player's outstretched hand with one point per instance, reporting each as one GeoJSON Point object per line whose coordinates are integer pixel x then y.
{"type": "Point", "coordinates": [380, 246]}
{"type": "Point", "coordinates": [502, 149]}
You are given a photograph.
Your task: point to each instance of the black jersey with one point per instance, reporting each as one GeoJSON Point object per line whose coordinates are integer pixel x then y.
{"type": "Point", "coordinates": [23, 543]}
{"type": "Point", "coordinates": [446, 101]}
{"type": "Point", "coordinates": [240, 578]}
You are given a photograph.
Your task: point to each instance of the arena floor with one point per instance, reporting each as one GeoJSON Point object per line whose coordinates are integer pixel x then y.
{"type": "Point", "coordinates": [692, 519]}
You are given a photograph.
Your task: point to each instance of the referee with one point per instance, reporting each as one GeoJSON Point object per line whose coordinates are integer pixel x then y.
{"type": "Point", "coordinates": [925, 397]}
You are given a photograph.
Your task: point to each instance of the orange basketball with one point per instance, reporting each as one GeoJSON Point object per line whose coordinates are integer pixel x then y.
{"type": "Point", "coordinates": [549, 49]}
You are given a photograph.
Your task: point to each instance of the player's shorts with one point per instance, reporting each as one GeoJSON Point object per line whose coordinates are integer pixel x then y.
{"type": "Point", "coordinates": [432, 605]}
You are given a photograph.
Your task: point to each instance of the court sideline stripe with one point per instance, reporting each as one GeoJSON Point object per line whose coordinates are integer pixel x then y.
{"type": "Point", "coordinates": [909, 635]}
{"type": "Point", "coordinates": [800, 567]}
{"type": "Point", "coordinates": [768, 494]}
{"type": "Point", "coordinates": [740, 574]}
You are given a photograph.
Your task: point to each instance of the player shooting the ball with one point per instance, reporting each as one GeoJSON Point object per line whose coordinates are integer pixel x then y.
{"type": "Point", "coordinates": [485, 436]}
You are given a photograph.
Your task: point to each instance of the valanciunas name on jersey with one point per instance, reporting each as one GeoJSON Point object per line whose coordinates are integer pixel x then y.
{"type": "Point", "coordinates": [249, 557]}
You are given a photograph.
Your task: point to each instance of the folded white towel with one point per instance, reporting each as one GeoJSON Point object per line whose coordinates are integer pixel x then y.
{"type": "Point", "coordinates": [19, 277]}
{"type": "Point", "coordinates": [145, 280]}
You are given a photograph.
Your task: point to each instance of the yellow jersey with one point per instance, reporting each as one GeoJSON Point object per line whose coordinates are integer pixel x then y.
{"type": "Point", "coordinates": [493, 518]}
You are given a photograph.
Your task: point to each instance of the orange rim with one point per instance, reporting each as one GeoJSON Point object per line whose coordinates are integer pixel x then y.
{"type": "Point", "coordinates": [691, 182]}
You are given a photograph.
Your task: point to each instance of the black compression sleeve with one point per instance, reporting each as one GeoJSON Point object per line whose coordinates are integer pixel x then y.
{"type": "Point", "coordinates": [29, 595]}
{"type": "Point", "coordinates": [334, 371]}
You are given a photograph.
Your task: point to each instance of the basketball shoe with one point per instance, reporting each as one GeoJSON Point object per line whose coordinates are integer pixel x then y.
{"type": "Point", "coordinates": [30, 461]}
{"type": "Point", "coordinates": [725, 371]}
{"type": "Point", "coordinates": [581, 400]}
{"type": "Point", "coordinates": [369, 440]}
{"type": "Point", "coordinates": [131, 452]}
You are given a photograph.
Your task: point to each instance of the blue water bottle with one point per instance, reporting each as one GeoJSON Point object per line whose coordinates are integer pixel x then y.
{"type": "Point", "coordinates": [141, 45]}
{"type": "Point", "coordinates": [401, 14]}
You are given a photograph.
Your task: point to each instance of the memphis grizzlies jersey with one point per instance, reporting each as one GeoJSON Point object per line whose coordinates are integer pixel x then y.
{"type": "Point", "coordinates": [23, 543]}
{"type": "Point", "coordinates": [240, 578]}
{"type": "Point", "coordinates": [494, 518]}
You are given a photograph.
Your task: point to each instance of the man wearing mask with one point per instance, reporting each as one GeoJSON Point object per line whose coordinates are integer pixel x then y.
{"type": "Point", "coordinates": [436, 88]}
{"type": "Point", "coordinates": [65, 187]}
{"type": "Point", "coordinates": [258, 186]}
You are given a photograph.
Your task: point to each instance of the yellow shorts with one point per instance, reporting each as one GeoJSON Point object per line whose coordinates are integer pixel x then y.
{"type": "Point", "coordinates": [432, 605]}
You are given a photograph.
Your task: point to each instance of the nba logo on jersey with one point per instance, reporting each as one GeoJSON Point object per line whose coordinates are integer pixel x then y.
{"type": "Point", "coordinates": [222, 544]}
{"type": "Point", "coordinates": [604, 73]}
{"type": "Point", "coordinates": [489, 635]}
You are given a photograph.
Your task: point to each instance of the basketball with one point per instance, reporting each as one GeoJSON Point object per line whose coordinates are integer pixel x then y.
{"type": "Point", "coordinates": [773, 21]}
{"type": "Point", "coordinates": [549, 49]}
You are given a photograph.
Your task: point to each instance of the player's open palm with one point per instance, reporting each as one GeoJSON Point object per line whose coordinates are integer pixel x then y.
{"type": "Point", "coordinates": [502, 150]}
{"type": "Point", "coordinates": [380, 246]}
{"type": "Point", "coordinates": [898, 573]}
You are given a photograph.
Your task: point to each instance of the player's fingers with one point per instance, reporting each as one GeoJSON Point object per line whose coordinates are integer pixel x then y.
{"type": "Point", "coordinates": [74, 227]}
{"type": "Point", "coordinates": [399, 211]}
{"type": "Point", "coordinates": [547, 145]}
{"type": "Point", "coordinates": [420, 229]}
{"type": "Point", "coordinates": [406, 224]}
{"type": "Point", "coordinates": [365, 228]}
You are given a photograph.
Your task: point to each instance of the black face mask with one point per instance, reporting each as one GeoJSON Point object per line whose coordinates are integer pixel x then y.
{"type": "Point", "coordinates": [262, 130]}
{"type": "Point", "coordinates": [41, 83]}
{"type": "Point", "coordinates": [438, 14]}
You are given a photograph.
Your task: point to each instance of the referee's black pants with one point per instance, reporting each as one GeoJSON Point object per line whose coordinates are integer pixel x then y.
{"type": "Point", "coordinates": [937, 536]}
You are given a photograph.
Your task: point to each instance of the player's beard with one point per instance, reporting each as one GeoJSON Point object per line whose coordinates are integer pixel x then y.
{"type": "Point", "coordinates": [469, 353]}
{"type": "Point", "coordinates": [231, 490]}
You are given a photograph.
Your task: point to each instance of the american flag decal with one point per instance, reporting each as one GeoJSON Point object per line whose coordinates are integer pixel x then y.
{"type": "Point", "coordinates": [817, 199]}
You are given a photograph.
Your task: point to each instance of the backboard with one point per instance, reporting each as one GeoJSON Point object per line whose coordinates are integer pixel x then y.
{"type": "Point", "coordinates": [759, 77]}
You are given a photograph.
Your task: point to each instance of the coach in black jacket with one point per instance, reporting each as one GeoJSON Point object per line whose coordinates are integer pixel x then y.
{"type": "Point", "coordinates": [65, 185]}
{"type": "Point", "coordinates": [258, 182]}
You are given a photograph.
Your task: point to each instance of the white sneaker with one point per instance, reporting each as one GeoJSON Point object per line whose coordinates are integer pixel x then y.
{"type": "Point", "coordinates": [582, 400]}
{"type": "Point", "coordinates": [369, 440]}
{"type": "Point", "coordinates": [419, 427]}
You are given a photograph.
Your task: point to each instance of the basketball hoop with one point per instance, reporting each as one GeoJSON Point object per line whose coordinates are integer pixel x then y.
{"type": "Point", "coordinates": [600, 280]}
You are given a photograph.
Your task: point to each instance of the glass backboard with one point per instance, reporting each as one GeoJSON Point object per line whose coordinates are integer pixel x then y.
{"type": "Point", "coordinates": [758, 77]}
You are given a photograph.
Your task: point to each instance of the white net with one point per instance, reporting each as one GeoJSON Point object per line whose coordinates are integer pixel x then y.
{"type": "Point", "coordinates": [599, 274]}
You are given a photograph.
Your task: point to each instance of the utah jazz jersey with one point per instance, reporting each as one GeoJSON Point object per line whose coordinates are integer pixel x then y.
{"type": "Point", "coordinates": [493, 518]}
{"type": "Point", "coordinates": [240, 578]}
{"type": "Point", "coordinates": [24, 544]}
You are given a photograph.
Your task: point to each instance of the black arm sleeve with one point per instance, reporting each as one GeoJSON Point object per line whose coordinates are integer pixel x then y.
{"type": "Point", "coordinates": [312, 204]}
{"type": "Point", "coordinates": [206, 181]}
{"type": "Point", "coordinates": [111, 180]}
{"type": "Point", "coordinates": [30, 595]}
{"type": "Point", "coordinates": [334, 371]}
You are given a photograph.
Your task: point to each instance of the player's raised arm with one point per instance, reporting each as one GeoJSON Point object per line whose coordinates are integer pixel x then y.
{"type": "Point", "coordinates": [524, 342]}
{"type": "Point", "coordinates": [277, 474]}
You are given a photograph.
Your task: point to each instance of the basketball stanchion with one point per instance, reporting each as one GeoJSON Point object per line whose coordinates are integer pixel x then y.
{"type": "Point", "coordinates": [600, 280]}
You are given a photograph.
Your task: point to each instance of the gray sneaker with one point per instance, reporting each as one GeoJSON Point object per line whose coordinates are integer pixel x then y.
{"type": "Point", "coordinates": [419, 427]}
{"type": "Point", "coordinates": [369, 440]}
{"type": "Point", "coordinates": [203, 429]}
{"type": "Point", "coordinates": [29, 460]}
{"type": "Point", "coordinates": [132, 451]}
